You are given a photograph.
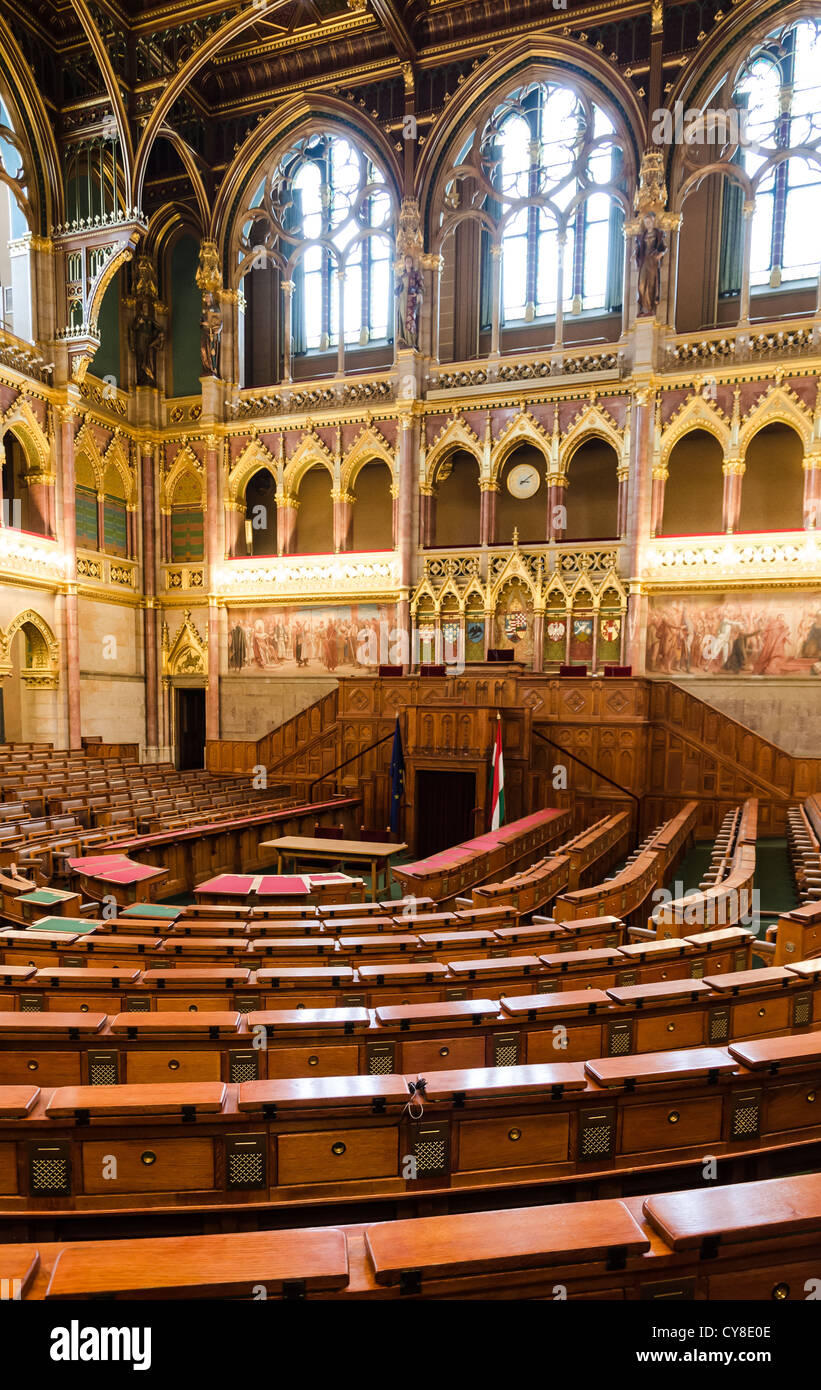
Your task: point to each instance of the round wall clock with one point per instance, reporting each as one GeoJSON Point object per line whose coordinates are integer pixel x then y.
{"type": "Point", "coordinates": [523, 480]}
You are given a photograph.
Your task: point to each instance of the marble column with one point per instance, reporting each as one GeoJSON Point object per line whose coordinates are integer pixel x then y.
{"type": "Point", "coordinates": [150, 590]}
{"type": "Point", "coordinates": [638, 520]}
{"type": "Point", "coordinates": [812, 492]}
{"type": "Point", "coordinates": [41, 503]}
{"type": "Point", "coordinates": [343, 505]}
{"type": "Point", "coordinates": [487, 513]}
{"type": "Point", "coordinates": [68, 420]}
{"type": "Point", "coordinates": [212, 556]}
{"type": "Point", "coordinates": [234, 528]}
{"type": "Point", "coordinates": [286, 524]}
{"type": "Point", "coordinates": [556, 506]}
{"type": "Point", "coordinates": [408, 446]}
{"type": "Point", "coordinates": [660, 476]}
{"type": "Point", "coordinates": [733, 472]}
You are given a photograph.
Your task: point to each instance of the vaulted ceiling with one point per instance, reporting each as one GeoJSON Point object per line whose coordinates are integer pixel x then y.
{"type": "Point", "coordinates": [247, 57]}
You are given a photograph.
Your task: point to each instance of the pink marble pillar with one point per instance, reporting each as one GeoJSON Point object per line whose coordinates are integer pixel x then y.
{"type": "Point", "coordinates": [70, 545]}
{"type": "Point", "coordinates": [39, 505]}
{"type": "Point", "coordinates": [343, 522]}
{"type": "Point", "coordinates": [487, 516]}
{"type": "Point", "coordinates": [638, 519]}
{"type": "Point", "coordinates": [622, 503]}
{"type": "Point", "coordinates": [150, 590]}
{"type": "Point", "coordinates": [408, 466]}
{"type": "Point", "coordinates": [656, 501]}
{"type": "Point", "coordinates": [212, 696]}
{"type": "Point", "coordinates": [234, 531]}
{"type": "Point", "coordinates": [733, 473]}
{"type": "Point", "coordinates": [812, 496]}
{"type": "Point", "coordinates": [286, 526]}
{"type": "Point", "coordinates": [556, 498]}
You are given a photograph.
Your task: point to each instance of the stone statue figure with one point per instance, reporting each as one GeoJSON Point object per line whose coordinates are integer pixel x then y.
{"type": "Point", "coordinates": [409, 290]}
{"type": "Point", "coordinates": [210, 332]}
{"type": "Point", "coordinates": [145, 337]}
{"type": "Point", "coordinates": [651, 248]}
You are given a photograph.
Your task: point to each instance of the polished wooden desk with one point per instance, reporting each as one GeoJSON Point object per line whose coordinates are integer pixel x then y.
{"type": "Point", "coordinates": [298, 847]}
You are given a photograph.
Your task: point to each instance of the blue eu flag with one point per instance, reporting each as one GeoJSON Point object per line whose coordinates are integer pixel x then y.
{"type": "Point", "coordinates": [397, 777]}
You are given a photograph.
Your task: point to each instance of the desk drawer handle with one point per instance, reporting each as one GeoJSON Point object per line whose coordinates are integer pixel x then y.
{"type": "Point", "coordinates": [338, 1149]}
{"type": "Point", "coordinates": [780, 1292]}
{"type": "Point", "coordinates": [673, 1117]}
{"type": "Point", "coordinates": [33, 1066]}
{"type": "Point", "coordinates": [514, 1134]}
{"type": "Point", "coordinates": [761, 1012]}
{"type": "Point", "coordinates": [313, 1061]}
{"type": "Point", "coordinates": [84, 1008]}
{"type": "Point", "coordinates": [173, 1065]}
{"type": "Point", "coordinates": [193, 1008]}
{"type": "Point", "coordinates": [671, 1027]}
{"type": "Point", "coordinates": [148, 1158]}
{"type": "Point", "coordinates": [811, 1097]}
{"type": "Point", "coordinates": [444, 1051]}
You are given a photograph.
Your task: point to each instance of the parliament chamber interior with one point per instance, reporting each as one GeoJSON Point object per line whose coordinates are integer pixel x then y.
{"type": "Point", "coordinates": [410, 652]}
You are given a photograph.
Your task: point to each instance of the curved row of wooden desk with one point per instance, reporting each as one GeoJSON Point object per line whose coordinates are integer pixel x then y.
{"type": "Point", "coordinates": [460, 867]}
{"type": "Point", "coordinates": [176, 1039]}
{"type": "Point", "coordinates": [99, 1150]}
{"type": "Point", "coordinates": [574, 862]}
{"type": "Point", "coordinates": [752, 1241]}
{"type": "Point", "coordinates": [42, 979]}
{"type": "Point", "coordinates": [626, 893]}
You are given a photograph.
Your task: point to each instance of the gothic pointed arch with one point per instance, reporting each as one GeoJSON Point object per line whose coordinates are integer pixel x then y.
{"type": "Point", "coordinates": [369, 446]}
{"type": "Point", "coordinates": [42, 659]}
{"type": "Point", "coordinates": [22, 421]}
{"type": "Point", "coordinates": [311, 452]}
{"type": "Point", "coordinates": [456, 434]}
{"type": "Point", "coordinates": [187, 653]}
{"type": "Point", "coordinates": [694, 414]}
{"type": "Point", "coordinates": [522, 429]}
{"type": "Point", "coordinates": [593, 423]}
{"type": "Point", "coordinates": [185, 462]}
{"type": "Point", "coordinates": [778, 405]}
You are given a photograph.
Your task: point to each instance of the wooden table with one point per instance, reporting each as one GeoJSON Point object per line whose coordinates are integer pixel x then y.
{"type": "Point", "coordinates": [338, 851]}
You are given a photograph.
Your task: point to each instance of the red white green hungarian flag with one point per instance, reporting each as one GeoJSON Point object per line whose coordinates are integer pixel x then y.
{"type": "Point", "coordinates": [497, 795]}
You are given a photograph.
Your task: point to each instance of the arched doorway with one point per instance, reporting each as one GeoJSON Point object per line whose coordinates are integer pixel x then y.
{"type": "Point", "coordinates": [694, 491]}
{"type": "Point", "coordinates": [373, 508]}
{"type": "Point", "coordinates": [456, 496]}
{"type": "Point", "coordinates": [592, 497]}
{"type": "Point", "coordinates": [521, 503]}
{"type": "Point", "coordinates": [315, 517]}
{"type": "Point", "coordinates": [261, 512]}
{"type": "Point", "coordinates": [772, 489]}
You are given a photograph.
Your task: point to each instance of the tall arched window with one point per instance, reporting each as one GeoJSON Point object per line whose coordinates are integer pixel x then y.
{"type": "Point", "coordinates": [779, 91]}
{"type": "Point", "coordinates": [549, 164]}
{"type": "Point", "coordinates": [325, 212]}
{"type": "Point", "coordinates": [15, 281]}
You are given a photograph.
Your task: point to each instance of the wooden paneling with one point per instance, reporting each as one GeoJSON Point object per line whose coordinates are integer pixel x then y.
{"type": "Point", "coordinates": [634, 744]}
